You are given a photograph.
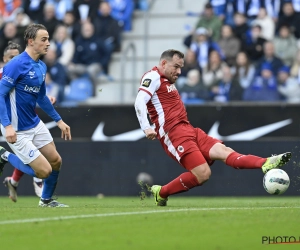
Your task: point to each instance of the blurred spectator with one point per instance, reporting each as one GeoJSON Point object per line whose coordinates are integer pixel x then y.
{"type": "Point", "coordinates": [10, 34]}
{"type": "Point", "coordinates": [229, 44]}
{"type": "Point", "coordinates": [288, 86]}
{"type": "Point", "coordinates": [85, 10]}
{"type": "Point", "coordinates": [243, 70]}
{"type": "Point", "coordinates": [285, 45]}
{"type": "Point", "coordinates": [52, 88]}
{"type": "Point", "coordinates": [49, 19]}
{"type": "Point", "coordinates": [240, 27]}
{"type": "Point", "coordinates": [289, 18]}
{"type": "Point", "coordinates": [219, 8]}
{"type": "Point", "coordinates": [253, 45]}
{"type": "Point", "coordinates": [109, 32]}
{"type": "Point", "coordinates": [213, 71]}
{"type": "Point", "coordinates": [249, 8]}
{"type": "Point", "coordinates": [273, 8]}
{"type": "Point", "coordinates": [21, 21]}
{"type": "Point", "coordinates": [266, 23]}
{"type": "Point", "coordinates": [61, 7]}
{"type": "Point", "coordinates": [34, 9]}
{"type": "Point", "coordinates": [122, 10]}
{"type": "Point", "coordinates": [88, 55]}
{"type": "Point", "coordinates": [57, 73]}
{"type": "Point", "coordinates": [190, 63]}
{"type": "Point", "coordinates": [73, 26]}
{"type": "Point", "coordinates": [63, 45]}
{"type": "Point", "coordinates": [295, 69]}
{"type": "Point", "coordinates": [193, 91]}
{"type": "Point", "coordinates": [202, 47]}
{"type": "Point", "coordinates": [270, 58]}
{"type": "Point", "coordinates": [8, 8]}
{"type": "Point", "coordinates": [211, 22]}
{"type": "Point", "coordinates": [263, 87]}
{"type": "Point", "coordinates": [226, 89]}
{"type": "Point", "coordinates": [295, 4]}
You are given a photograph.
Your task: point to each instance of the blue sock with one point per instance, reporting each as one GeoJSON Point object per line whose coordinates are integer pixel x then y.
{"type": "Point", "coordinates": [50, 185]}
{"type": "Point", "coordinates": [17, 163]}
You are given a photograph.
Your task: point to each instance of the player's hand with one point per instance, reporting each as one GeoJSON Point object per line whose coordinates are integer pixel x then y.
{"type": "Point", "coordinates": [52, 99]}
{"type": "Point", "coordinates": [150, 134]}
{"type": "Point", "coordinates": [10, 134]}
{"type": "Point", "coordinates": [65, 130]}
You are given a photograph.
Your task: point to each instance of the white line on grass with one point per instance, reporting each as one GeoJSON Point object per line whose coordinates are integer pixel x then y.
{"type": "Point", "coordinates": [134, 213]}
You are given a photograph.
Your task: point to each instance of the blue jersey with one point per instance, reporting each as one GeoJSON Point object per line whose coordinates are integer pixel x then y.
{"type": "Point", "coordinates": [21, 87]}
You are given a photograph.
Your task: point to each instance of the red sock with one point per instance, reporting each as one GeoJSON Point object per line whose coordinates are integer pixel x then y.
{"type": "Point", "coordinates": [182, 183]}
{"type": "Point", "coordinates": [240, 161]}
{"type": "Point", "coordinates": [17, 175]}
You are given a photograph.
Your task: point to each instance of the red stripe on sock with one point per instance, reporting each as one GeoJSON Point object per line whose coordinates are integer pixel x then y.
{"type": "Point", "coordinates": [240, 161]}
{"type": "Point", "coordinates": [17, 175]}
{"type": "Point", "coordinates": [182, 183]}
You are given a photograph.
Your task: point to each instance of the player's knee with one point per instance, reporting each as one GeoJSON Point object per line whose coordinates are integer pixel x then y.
{"type": "Point", "coordinates": [56, 162]}
{"type": "Point", "coordinates": [202, 174]}
{"type": "Point", "coordinates": [206, 174]}
{"type": "Point", "coordinates": [43, 173]}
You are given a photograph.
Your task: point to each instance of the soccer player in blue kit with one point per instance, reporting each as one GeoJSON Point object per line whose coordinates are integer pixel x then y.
{"type": "Point", "coordinates": [21, 87]}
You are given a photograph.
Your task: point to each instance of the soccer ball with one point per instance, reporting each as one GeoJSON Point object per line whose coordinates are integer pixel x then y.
{"type": "Point", "coordinates": [276, 181]}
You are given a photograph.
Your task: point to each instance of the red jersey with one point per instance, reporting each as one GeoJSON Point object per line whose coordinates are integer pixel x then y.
{"type": "Point", "coordinates": [1, 72]}
{"type": "Point", "coordinates": [165, 107]}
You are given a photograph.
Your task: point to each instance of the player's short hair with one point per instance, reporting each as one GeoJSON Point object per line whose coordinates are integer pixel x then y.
{"type": "Point", "coordinates": [168, 54]}
{"type": "Point", "coordinates": [31, 31]}
{"type": "Point", "coordinates": [11, 45]}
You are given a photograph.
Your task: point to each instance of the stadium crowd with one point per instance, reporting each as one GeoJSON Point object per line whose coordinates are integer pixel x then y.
{"type": "Point", "coordinates": [239, 50]}
{"type": "Point", "coordinates": [243, 50]}
{"type": "Point", "coordinates": [83, 36]}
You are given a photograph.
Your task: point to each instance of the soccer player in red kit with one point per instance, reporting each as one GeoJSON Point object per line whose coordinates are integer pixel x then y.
{"type": "Point", "coordinates": [11, 182]}
{"type": "Point", "coordinates": [191, 147]}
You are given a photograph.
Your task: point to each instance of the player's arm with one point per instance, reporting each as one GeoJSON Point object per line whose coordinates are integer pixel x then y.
{"type": "Point", "coordinates": [11, 73]}
{"type": "Point", "coordinates": [146, 91]}
{"type": "Point", "coordinates": [45, 104]}
{"type": "Point", "coordinates": [10, 133]}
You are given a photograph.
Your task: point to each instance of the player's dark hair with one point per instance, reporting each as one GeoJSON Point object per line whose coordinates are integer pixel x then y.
{"type": "Point", "coordinates": [31, 31]}
{"type": "Point", "coordinates": [11, 45]}
{"type": "Point", "coordinates": [168, 54]}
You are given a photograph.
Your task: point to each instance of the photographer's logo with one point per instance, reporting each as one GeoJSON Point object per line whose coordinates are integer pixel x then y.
{"type": "Point", "coordinates": [280, 240]}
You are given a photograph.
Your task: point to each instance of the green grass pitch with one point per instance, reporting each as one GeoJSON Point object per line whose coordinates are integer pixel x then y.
{"type": "Point", "coordinates": [130, 223]}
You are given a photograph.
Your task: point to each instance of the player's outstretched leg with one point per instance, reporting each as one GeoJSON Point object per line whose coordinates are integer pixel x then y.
{"type": "Point", "coordinates": [38, 186]}
{"type": "Point", "coordinates": [12, 190]}
{"type": "Point", "coordinates": [276, 161]}
{"type": "Point", "coordinates": [159, 201]}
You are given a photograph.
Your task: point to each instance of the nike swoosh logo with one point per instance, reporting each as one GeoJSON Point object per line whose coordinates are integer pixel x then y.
{"type": "Point", "coordinates": [48, 125]}
{"type": "Point", "coordinates": [248, 135]}
{"type": "Point", "coordinates": [133, 135]}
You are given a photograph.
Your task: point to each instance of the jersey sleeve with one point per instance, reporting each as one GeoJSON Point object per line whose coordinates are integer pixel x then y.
{"type": "Point", "coordinates": [45, 104]}
{"type": "Point", "coordinates": [150, 83]}
{"type": "Point", "coordinates": [11, 73]}
{"type": "Point", "coordinates": [141, 109]}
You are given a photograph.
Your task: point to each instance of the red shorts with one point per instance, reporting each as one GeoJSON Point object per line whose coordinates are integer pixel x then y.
{"type": "Point", "coordinates": [188, 145]}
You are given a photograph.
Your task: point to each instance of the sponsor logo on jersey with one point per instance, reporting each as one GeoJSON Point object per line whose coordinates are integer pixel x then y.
{"type": "Point", "coordinates": [31, 74]}
{"type": "Point", "coordinates": [8, 79]}
{"type": "Point", "coordinates": [146, 82]}
{"type": "Point", "coordinates": [34, 89]}
{"type": "Point", "coordinates": [171, 88]}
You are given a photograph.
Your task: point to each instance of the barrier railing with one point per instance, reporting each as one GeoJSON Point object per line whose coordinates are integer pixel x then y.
{"type": "Point", "coordinates": [124, 62]}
